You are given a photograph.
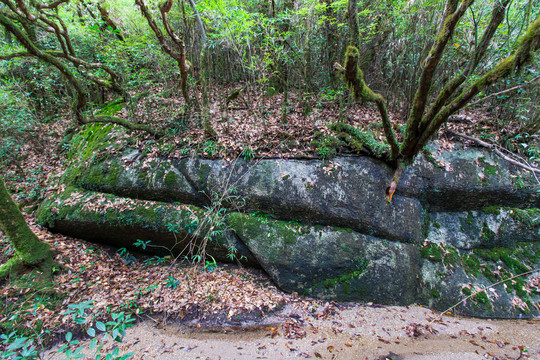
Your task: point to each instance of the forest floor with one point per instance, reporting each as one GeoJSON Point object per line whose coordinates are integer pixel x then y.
{"type": "Point", "coordinates": [230, 312]}
{"type": "Point", "coordinates": [226, 311]}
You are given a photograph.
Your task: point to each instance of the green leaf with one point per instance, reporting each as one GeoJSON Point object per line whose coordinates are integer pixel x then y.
{"type": "Point", "coordinates": [93, 344]}
{"type": "Point", "coordinates": [80, 320]}
{"type": "Point", "coordinates": [91, 332]}
{"type": "Point", "coordinates": [17, 344]}
{"type": "Point", "coordinates": [127, 356]}
{"type": "Point", "coordinates": [100, 326]}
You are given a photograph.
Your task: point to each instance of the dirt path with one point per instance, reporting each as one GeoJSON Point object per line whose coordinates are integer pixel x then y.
{"type": "Point", "coordinates": [357, 332]}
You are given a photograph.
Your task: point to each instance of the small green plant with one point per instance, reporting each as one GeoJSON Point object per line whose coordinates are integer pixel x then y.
{"type": "Point", "coordinates": [18, 347]}
{"type": "Point", "coordinates": [172, 282]}
{"type": "Point", "coordinates": [231, 252]}
{"type": "Point", "coordinates": [210, 265]}
{"type": "Point", "coordinates": [126, 255]}
{"type": "Point", "coordinates": [172, 227]}
{"type": "Point", "coordinates": [248, 154]}
{"type": "Point", "coordinates": [114, 328]}
{"type": "Point", "coordinates": [142, 244]}
{"type": "Point", "coordinates": [209, 148]}
{"type": "Point", "coordinates": [78, 311]}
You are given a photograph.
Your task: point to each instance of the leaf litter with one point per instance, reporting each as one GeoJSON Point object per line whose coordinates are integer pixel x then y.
{"type": "Point", "coordinates": [98, 275]}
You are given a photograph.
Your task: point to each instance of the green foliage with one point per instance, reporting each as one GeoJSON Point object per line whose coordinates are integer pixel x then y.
{"type": "Point", "coordinates": [17, 122]}
{"type": "Point", "coordinates": [172, 283]}
{"type": "Point", "coordinates": [18, 347]}
{"type": "Point", "coordinates": [22, 346]}
{"type": "Point", "coordinates": [248, 154]}
{"type": "Point", "coordinates": [126, 256]}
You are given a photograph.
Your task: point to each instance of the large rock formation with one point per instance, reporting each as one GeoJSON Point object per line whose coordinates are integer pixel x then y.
{"type": "Point", "coordinates": [460, 220]}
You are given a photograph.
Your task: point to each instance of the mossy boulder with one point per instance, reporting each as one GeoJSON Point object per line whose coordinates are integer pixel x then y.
{"type": "Point", "coordinates": [171, 228]}
{"type": "Point", "coordinates": [486, 228]}
{"type": "Point", "coordinates": [460, 220]}
{"type": "Point", "coordinates": [467, 179]}
{"type": "Point", "coordinates": [330, 263]}
{"type": "Point", "coordinates": [351, 194]}
{"type": "Point", "coordinates": [449, 274]}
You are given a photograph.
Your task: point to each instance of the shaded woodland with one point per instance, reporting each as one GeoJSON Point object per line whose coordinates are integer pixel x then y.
{"type": "Point", "coordinates": [251, 79]}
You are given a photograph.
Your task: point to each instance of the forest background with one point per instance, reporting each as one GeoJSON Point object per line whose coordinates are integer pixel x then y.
{"type": "Point", "coordinates": [228, 78]}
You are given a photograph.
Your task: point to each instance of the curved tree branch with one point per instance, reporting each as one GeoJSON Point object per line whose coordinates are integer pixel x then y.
{"type": "Point", "coordinates": [355, 80]}
{"type": "Point", "coordinates": [453, 13]}
{"type": "Point", "coordinates": [528, 45]}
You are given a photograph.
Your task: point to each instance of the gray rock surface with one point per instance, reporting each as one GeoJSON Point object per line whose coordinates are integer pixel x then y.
{"type": "Point", "coordinates": [459, 221]}
{"type": "Point", "coordinates": [336, 264]}
{"type": "Point", "coordinates": [168, 229]}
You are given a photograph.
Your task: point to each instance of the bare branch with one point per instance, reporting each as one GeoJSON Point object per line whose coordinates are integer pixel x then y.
{"type": "Point", "coordinates": [22, 7]}
{"type": "Point", "coordinates": [199, 21]}
{"type": "Point", "coordinates": [528, 45]}
{"type": "Point", "coordinates": [164, 9]}
{"type": "Point", "coordinates": [53, 5]}
{"type": "Point", "coordinates": [179, 56]}
{"type": "Point", "coordinates": [32, 49]}
{"type": "Point", "coordinates": [497, 16]}
{"type": "Point", "coordinates": [496, 150]}
{"type": "Point", "coordinates": [504, 91]}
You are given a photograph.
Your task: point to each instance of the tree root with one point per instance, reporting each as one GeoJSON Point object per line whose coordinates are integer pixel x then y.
{"type": "Point", "coordinates": [43, 272]}
{"type": "Point", "coordinates": [123, 122]}
{"type": "Point", "coordinates": [12, 268]}
{"type": "Point", "coordinates": [391, 188]}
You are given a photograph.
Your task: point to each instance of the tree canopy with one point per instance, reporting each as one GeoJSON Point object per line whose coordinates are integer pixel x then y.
{"type": "Point", "coordinates": [424, 59]}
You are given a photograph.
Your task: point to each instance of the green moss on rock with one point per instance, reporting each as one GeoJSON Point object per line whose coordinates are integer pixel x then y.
{"type": "Point", "coordinates": [171, 179]}
{"type": "Point", "coordinates": [528, 217]}
{"type": "Point", "coordinates": [488, 254]}
{"type": "Point", "coordinates": [440, 253]}
{"type": "Point", "coordinates": [432, 252]}
{"type": "Point", "coordinates": [252, 226]}
{"type": "Point", "coordinates": [92, 143]}
{"type": "Point", "coordinates": [343, 280]}
{"type": "Point", "coordinates": [487, 235]}
{"type": "Point", "coordinates": [492, 210]}
{"type": "Point", "coordinates": [481, 298]}
{"type": "Point", "coordinates": [471, 265]}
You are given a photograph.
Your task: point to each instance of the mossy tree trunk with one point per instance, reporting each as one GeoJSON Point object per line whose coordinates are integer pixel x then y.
{"type": "Point", "coordinates": [430, 111]}
{"type": "Point", "coordinates": [61, 59]}
{"type": "Point", "coordinates": [29, 249]}
{"type": "Point", "coordinates": [178, 53]}
{"type": "Point", "coordinates": [354, 27]}
{"type": "Point", "coordinates": [107, 19]}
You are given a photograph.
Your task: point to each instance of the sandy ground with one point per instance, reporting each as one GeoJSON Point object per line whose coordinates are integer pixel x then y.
{"type": "Point", "coordinates": [356, 332]}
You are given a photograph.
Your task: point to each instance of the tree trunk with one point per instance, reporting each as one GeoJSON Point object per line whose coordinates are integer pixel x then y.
{"type": "Point", "coordinates": [29, 249]}
{"type": "Point", "coordinates": [354, 31]}
{"type": "Point", "coordinates": [107, 19]}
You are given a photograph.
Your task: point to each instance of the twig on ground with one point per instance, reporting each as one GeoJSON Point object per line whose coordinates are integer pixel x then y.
{"type": "Point", "coordinates": [496, 150]}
